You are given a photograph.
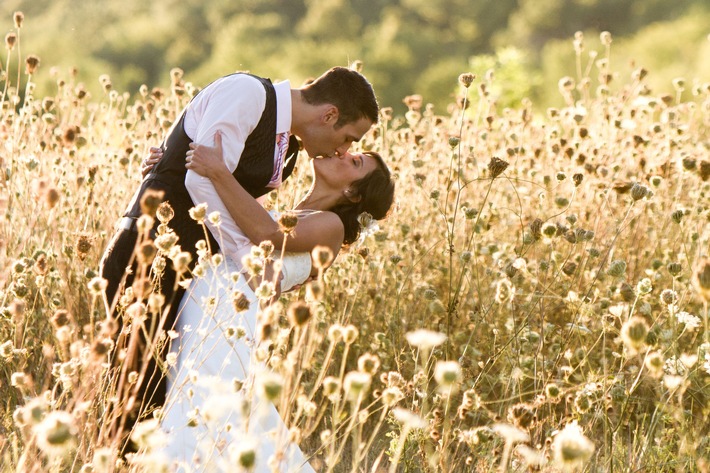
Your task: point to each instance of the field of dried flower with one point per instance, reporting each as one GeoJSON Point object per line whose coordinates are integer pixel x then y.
{"type": "Point", "coordinates": [537, 300]}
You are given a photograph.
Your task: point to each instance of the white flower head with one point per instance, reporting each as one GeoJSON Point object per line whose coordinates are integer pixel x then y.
{"type": "Point", "coordinates": [425, 339]}
{"type": "Point", "coordinates": [510, 433]}
{"type": "Point", "coordinates": [571, 448]}
{"type": "Point", "coordinates": [408, 418]}
{"type": "Point", "coordinates": [56, 434]}
{"type": "Point", "coordinates": [447, 373]}
{"type": "Point", "coordinates": [691, 322]}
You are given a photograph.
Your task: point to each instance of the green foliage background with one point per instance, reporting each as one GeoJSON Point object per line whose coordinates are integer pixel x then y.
{"type": "Point", "coordinates": [408, 46]}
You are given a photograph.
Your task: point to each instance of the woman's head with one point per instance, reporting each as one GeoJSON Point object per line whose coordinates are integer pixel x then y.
{"type": "Point", "coordinates": [373, 193]}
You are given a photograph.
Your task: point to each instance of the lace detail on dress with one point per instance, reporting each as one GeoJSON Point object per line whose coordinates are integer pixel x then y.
{"type": "Point", "coordinates": [296, 269]}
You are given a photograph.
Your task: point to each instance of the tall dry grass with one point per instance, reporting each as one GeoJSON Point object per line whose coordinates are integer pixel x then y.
{"type": "Point", "coordinates": [537, 300]}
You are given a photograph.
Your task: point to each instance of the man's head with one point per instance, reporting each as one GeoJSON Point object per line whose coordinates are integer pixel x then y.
{"type": "Point", "coordinates": [348, 90]}
{"type": "Point", "coordinates": [341, 109]}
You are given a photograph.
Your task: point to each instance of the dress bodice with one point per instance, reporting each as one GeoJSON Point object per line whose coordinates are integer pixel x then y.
{"type": "Point", "coordinates": [296, 268]}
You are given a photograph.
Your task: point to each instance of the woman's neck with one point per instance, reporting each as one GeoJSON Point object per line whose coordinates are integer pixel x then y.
{"type": "Point", "coordinates": [317, 199]}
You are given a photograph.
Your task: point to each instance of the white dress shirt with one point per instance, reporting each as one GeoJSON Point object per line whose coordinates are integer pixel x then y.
{"type": "Point", "coordinates": [233, 105]}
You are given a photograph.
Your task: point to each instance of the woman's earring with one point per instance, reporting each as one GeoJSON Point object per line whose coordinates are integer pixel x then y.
{"type": "Point", "coordinates": [350, 194]}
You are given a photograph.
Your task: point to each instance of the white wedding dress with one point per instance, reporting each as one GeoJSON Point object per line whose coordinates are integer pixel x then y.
{"type": "Point", "coordinates": [212, 415]}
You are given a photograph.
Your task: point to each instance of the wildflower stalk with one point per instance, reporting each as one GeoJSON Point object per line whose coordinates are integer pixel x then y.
{"type": "Point", "coordinates": [453, 302]}
{"type": "Point", "coordinates": [400, 448]}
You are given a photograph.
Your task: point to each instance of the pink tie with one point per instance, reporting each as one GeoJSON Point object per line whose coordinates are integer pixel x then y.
{"type": "Point", "coordinates": [282, 147]}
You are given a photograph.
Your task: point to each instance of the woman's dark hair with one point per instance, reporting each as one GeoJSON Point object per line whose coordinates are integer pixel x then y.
{"type": "Point", "coordinates": [346, 89]}
{"type": "Point", "coordinates": [376, 192]}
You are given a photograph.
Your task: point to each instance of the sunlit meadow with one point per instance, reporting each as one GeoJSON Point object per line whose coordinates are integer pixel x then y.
{"type": "Point", "coordinates": [537, 300]}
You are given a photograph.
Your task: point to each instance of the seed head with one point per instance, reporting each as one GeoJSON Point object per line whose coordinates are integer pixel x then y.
{"type": "Point", "coordinates": [335, 333]}
{"type": "Point", "coordinates": [146, 253]}
{"type": "Point", "coordinates": [61, 318]}
{"type": "Point", "coordinates": [246, 457]}
{"type": "Point", "coordinates": [617, 268]}
{"type": "Point", "coordinates": [97, 285]}
{"type": "Point", "coordinates": [56, 434]}
{"type": "Point", "coordinates": [299, 313]}
{"type": "Point", "coordinates": [164, 212]}
{"type": "Point", "coordinates": [605, 38]}
{"type": "Point", "coordinates": [633, 333]}
{"type": "Point", "coordinates": [18, 17]}
{"type": "Point", "coordinates": [674, 268]}
{"type": "Point", "coordinates": [677, 216]}
{"type": "Point", "coordinates": [571, 448]}
{"type": "Point", "coordinates": [331, 386]}
{"type": "Point", "coordinates": [288, 222]}
{"type": "Point", "coordinates": [271, 385]}
{"type": "Point", "coordinates": [240, 301]}
{"type": "Point", "coordinates": [669, 297]}
{"type": "Point", "coordinates": [496, 166]}
{"type": "Point", "coordinates": [391, 396]}
{"type": "Point", "coordinates": [654, 364]}
{"type": "Point", "coordinates": [355, 383]}
{"type": "Point", "coordinates": [638, 191]}
{"type": "Point", "coordinates": [644, 287]}
{"type": "Point", "coordinates": [350, 334]}
{"type": "Point", "coordinates": [166, 242]}
{"type": "Point", "coordinates": [181, 261]}
{"type": "Point", "coordinates": [84, 243]}
{"type": "Point", "coordinates": [322, 256]}
{"type": "Point", "coordinates": [466, 79]}
{"type": "Point", "coordinates": [521, 415]}
{"type": "Point", "coordinates": [314, 291]}
{"type": "Point", "coordinates": [368, 363]}
{"type": "Point", "coordinates": [265, 291]}
{"type": "Point", "coordinates": [566, 84]}
{"type": "Point", "coordinates": [10, 40]}
{"type": "Point", "coordinates": [150, 201]}
{"type": "Point", "coordinates": [701, 278]}
{"type": "Point", "coordinates": [447, 373]}
{"type": "Point", "coordinates": [31, 64]}
{"type": "Point", "coordinates": [198, 213]}
{"type": "Point", "coordinates": [552, 391]}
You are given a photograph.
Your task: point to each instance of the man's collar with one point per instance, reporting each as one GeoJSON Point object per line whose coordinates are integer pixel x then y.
{"type": "Point", "coordinates": [283, 106]}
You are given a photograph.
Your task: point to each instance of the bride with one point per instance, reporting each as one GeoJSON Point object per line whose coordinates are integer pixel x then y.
{"type": "Point", "coordinates": [219, 412]}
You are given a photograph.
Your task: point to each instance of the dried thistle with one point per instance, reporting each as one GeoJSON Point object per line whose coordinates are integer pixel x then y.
{"type": "Point", "coordinates": [299, 313]}
{"type": "Point", "coordinates": [31, 64]}
{"type": "Point", "coordinates": [496, 166]}
{"type": "Point", "coordinates": [10, 40]}
{"type": "Point", "coordinates": [18, 17]}
{"type": "Point", "coordinates": [288, 222]}
{"type": "Point", "coordinates": [150, 201]}
{"type": "Point", "coordinates": [466, 79]}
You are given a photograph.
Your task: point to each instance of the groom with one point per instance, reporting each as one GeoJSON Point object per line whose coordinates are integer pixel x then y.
{"type": "Point", "coordinates": [259, 122]}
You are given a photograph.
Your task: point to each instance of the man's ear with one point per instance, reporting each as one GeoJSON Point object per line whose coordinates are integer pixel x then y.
{"type": "Point", "coordinates": [352, 195]}
{"type": "Point", "coordinates": [331, 115]}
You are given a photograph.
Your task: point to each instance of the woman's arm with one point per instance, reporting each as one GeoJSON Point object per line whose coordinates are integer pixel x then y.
{"type": "Point", "coordinates": [318, 228]}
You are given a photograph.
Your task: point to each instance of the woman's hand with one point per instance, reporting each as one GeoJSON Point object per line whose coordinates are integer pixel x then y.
{"type": "Point", "coordinates": [205, 160]}
{"type": "Point", "coordinates": [156, 154]}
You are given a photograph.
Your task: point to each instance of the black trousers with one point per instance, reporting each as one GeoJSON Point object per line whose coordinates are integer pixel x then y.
{"type": "Point", "coordinates": [151, 393]}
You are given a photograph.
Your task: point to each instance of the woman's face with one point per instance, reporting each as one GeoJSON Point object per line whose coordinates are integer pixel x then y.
{"type": "Point", "coordinates": [339, 172]}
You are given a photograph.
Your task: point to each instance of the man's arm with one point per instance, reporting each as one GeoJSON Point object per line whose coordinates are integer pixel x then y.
{"type": "Point", "coordinates": [233, 105]}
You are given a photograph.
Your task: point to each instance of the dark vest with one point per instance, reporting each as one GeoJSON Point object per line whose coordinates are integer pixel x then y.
{"type": "Point", "coordinates": [256, 166]}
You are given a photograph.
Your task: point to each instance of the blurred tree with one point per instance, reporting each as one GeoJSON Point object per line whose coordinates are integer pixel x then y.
{"type": "Point", "coordinates": [408, 46]}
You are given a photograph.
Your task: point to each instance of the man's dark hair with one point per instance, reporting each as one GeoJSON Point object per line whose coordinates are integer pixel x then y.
{"type": "Point", "coordinates": [346, 89]}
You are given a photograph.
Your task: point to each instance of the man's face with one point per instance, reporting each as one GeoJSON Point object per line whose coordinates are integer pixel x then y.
{"type": "Point", "coordinates": [324, 139]}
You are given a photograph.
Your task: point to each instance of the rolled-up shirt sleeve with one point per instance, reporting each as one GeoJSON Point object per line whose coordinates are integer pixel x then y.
{"type": "Point", "coordinates": [232, 105]}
